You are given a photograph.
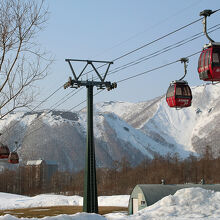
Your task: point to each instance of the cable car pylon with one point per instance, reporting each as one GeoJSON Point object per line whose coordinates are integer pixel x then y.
{"type": "Point", "coordinates": [90, 200]}
{"type": "Point", "coordinates": [179, 94]}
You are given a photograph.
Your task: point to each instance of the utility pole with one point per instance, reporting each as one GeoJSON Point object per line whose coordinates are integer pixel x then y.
{"type": "Point", "coordinates": [90, 201]}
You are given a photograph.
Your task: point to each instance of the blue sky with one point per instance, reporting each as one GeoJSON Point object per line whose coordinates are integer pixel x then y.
{"type": "Point", "coordinates": [105, 30]}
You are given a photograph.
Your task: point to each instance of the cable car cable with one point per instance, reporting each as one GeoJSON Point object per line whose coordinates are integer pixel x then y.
{"type": "Point", "coordinates": [133, 61]}
{"type": "Point", "coordinates": [168, 64]}
{"type": "Point", "coordinates": [160, 38]}
{"type": "Point", "coordinates": [168, 48]}
{"type": "Point", "coordinates": [152, 69]}
{"type": "Point", "coordinates": [7, 130]}
{"type": "Point", "coordinates": [123, 80]}
{"type": "Point", "coordinates": [147, 44]}
{"type": "Point", "coordinates": [162, 51]}
{"type": "Point", "coordinates": [146, 57]}
{"type": "Point", "coordinates": [85, 100]}
{"type": "Point", "coordinates": [72, 93]}
{"type": "Point", "coordinates": [48, 111]}
{"type": "Point", "coordinates": [145, 72]}
{"type": "Point", "coordinates": [195, 36]}
{"type": "Point", "coordinates": [120, 57]}
{"type": "Point", "coordinates": [47, 98]}
{"type": "Point", "coordinates": [124, 55]}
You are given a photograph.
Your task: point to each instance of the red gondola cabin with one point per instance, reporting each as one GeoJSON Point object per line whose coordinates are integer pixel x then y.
{"type": "Point", "coordinates": [179, 94]}
{"type": "Point", "coordinates": [209, 62]}
{"type": "Point", "coordinates": [13, 158]}
{"type": "Point", "coordinates": [4, 151]}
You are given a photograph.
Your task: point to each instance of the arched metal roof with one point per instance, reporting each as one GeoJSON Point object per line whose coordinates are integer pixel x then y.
{"type": "Point", "coordinates": [155, 192]}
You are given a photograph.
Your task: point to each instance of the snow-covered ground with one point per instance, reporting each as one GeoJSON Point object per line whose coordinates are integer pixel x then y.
{"type": "Point", "coordinates": [189, 203]}
{"type": "Point", "coordinates": [12, 201]}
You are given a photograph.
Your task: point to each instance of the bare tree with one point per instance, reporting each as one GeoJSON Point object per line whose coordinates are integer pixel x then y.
{"type": "Point", "coordinates": [22, 62]}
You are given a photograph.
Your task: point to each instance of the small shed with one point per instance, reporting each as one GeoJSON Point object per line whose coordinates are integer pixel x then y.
{"type": "Point", "coordinates": [144, 195]}
{"type": "Point", "coordinates": [40, 170]}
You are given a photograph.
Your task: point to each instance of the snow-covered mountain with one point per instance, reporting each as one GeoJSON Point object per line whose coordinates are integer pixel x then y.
{"type": "Point", "coordinates": [134, 131]}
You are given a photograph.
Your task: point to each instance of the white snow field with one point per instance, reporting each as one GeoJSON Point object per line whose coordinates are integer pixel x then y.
{"type": "Point", "coordinates": [189, 203]}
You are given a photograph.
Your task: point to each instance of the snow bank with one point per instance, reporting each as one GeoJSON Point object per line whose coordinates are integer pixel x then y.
{"type": "Point", "coordinates": [185, 204]}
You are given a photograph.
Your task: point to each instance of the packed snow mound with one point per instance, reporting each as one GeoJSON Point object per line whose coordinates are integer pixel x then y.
{"type": "Point", "coordinates": [189, 203]}
{"type": "Point", "coordinates": [185, 203]}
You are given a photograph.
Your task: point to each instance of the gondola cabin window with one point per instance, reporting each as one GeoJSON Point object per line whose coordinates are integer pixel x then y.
{"type": "Point", "coordinates": [187, 91]}
{"type": "Point", "coordinates": [200, 66]}
{"type": "Point", "coordinates": [170, 91]}
{"type": "Point", "coordinates": [216, 57]}
{"type": "Point", "coordinates": [207, 59]}
{"type": "Point", "coordinates": [178, 91]}
{"type": "Point", "coordinates": [183, 91]}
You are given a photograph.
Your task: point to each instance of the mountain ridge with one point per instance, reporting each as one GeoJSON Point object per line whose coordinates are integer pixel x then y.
{"type": "Point", "coordinates": [122, 130]}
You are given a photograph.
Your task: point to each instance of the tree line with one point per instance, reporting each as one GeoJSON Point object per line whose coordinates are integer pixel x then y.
{"type": "Point", "coordinates": [120, 179]}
